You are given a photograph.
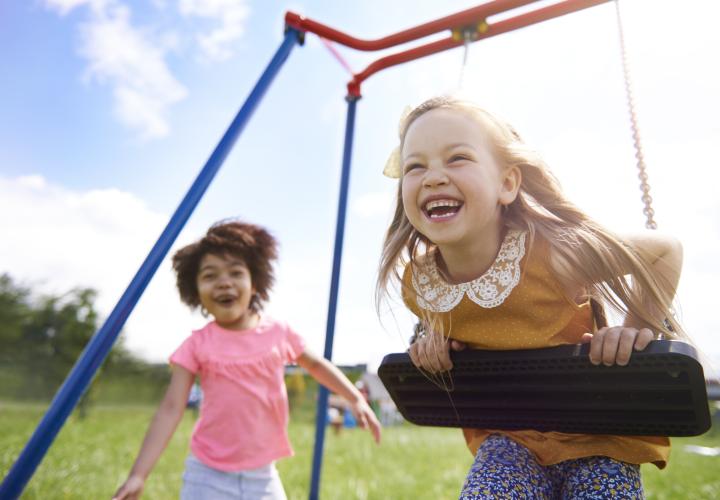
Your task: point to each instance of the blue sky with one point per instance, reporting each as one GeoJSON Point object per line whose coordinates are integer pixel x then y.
{"type": "Point", "coordinates": [111, 107]}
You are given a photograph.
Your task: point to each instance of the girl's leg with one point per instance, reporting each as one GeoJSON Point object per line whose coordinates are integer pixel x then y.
{"type": "Point", "coordinates": [505, 469]}
{"type": "Point", "coordinates": [262, 483]}
{"type": "Point", "coordinates": [599, 477]}
{"type": "Point", "coordinates": [201, 482]}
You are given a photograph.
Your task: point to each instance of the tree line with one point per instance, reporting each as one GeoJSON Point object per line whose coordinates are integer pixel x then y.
{"type": "Point", "coordinates": [41, 337]}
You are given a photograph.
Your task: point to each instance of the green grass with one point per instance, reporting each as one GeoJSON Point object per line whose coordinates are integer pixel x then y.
{"type": "Point", "coordinates": [90, 459]}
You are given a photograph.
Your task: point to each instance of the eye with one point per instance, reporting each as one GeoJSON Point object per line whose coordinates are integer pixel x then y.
{"type": "Point", "coordinates": [457, 158]}
{"type": "Point", "coordinates": [412, 166]}
{"type": "Point", "coordinates": [207, 276]}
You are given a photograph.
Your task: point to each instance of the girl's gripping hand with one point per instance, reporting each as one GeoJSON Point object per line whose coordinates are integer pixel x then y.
{"type": "Point", "coordinates": [432, 353]}
{"type": "Point", "coordinates": [131, 489]}
{"type": "Point", "coordinates": [614, 345]}
{"type": "Point", "coordinates": [366, 418]}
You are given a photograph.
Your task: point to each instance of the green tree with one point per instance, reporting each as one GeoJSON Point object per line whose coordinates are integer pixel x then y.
{"type": "Point", "coordinates": [62, 325]}
{"type": "Point", "coordinates": [59, 330]}
{"type": "Point", "coordinates": [15, 312]}
{"type": "Point", "coordinates": [42, 337]}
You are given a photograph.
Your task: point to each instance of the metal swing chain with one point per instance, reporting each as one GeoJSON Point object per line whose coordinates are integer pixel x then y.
{"type": "Point", "coordinates": [641, 167]}
{"type": "Point", "coordinates": [467, 35]}
{"type": "Point", "coordinates": [467, 38]}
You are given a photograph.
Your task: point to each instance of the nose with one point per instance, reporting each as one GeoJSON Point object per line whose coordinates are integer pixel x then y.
{"type": "Point", "coordinates": [223, 280]}
{"type": "Point", "coordinates": [435, 176]}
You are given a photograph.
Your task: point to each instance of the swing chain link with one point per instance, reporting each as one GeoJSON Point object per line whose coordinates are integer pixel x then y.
{"type": "Point", "coordinates": [641, 166]}
{"type": "Point", "coordinates": [468, 34]}
{"type": "Point", "coordinates": [467, 38]}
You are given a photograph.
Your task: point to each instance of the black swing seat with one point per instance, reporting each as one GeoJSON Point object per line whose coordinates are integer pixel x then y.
{"type": "Point", "coordinates": [661, 392]}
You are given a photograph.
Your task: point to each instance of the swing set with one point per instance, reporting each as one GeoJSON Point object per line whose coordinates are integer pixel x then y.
{"type": "Point", "coordinates": [465, 27]}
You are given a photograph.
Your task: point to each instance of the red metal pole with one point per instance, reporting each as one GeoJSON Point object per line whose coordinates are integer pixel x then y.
{"type": "Point", "coordinates": [521, 21]}
{"type": "Point", "coordinates": [459, 20]}
{"type": "Point", "coordinates": [462, 18]}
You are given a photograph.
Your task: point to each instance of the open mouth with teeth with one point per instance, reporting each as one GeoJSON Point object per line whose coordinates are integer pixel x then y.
{"type": "Point", "coordinates": [225, 300]}
{"type": "Point", "coordinates": [442, 209]}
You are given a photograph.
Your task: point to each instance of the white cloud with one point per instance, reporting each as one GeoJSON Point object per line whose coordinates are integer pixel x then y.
{"type": "Point", "coordinates": [134, 65]}
{"type": "Point", "coordinates": [130, 61]}
{"type": "Point", "coordinates": [231, 14]}
{"type": "Point", "coordinates": [62, 239]}
{"type": "Point", "coordinates": [65, 6]}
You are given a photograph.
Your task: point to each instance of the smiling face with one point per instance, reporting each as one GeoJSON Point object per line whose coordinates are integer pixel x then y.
{"type": "Point", "coordinates": [225, 288]}
{"type": "Point", "coordinates": [452, 184]}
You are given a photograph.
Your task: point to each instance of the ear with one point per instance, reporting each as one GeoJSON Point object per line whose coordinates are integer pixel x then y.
{"type": "Point", "coordinates": [512, 178]}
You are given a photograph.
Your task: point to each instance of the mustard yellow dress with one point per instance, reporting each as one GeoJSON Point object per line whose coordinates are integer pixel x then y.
{"type": "Point", "coordinates": [519, 304]}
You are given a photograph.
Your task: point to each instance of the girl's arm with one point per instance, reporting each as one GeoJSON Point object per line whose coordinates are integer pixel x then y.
{"type": "Point", "coordinates": [331, 377]}
{"type": "Point", "coordinates": [663, 255]}
{"type": "Point", "coordinates": [159, 433]}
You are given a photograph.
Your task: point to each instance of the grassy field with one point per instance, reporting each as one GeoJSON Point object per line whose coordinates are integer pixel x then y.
{"type": "Point", "coordinates": [90, 458]}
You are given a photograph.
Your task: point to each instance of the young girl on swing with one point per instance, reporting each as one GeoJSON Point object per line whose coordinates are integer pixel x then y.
{"type": "Point", "coordinates": [239, 357]}
{"type": "Point", "coordinates": [495, 257]}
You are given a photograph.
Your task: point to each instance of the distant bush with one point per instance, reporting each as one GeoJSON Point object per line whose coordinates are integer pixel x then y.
{"type": "Point", "coordinates": [41, 338]}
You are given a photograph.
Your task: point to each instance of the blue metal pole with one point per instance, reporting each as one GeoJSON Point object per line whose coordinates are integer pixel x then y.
{"type": "Point", "coordinates": [321, 417]}
{"type": "Point", "coordinates": [99, 346]}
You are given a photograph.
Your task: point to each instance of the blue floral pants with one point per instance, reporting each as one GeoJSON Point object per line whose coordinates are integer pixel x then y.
{"type": "Point", "coordinates": [505, 469]}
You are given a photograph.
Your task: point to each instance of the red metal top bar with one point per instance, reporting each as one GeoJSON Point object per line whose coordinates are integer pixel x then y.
{"type": "Point", "coordinates": [521, 21]}
{"type": "Point", "coordinates": [449, 22]}
{"type": "Point", "coordinates": [455, 21]}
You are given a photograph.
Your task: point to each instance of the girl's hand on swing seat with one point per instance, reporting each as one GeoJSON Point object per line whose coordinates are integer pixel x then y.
{"type": "Point", "coordinates": [431, 352]}
{"type": "Point", "coordinates": [614, 345]}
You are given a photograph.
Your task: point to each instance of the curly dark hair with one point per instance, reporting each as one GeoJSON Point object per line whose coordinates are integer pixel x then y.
{"type": "Point", "coordinates": [254, 245]}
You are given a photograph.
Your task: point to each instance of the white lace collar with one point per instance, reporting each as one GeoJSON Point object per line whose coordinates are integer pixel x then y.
{"type": "Point", "coordinates": [489, 290]}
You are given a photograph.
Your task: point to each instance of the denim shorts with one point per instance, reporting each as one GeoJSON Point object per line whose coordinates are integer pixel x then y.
{"type": "Point", "coordinates": [201, 482]}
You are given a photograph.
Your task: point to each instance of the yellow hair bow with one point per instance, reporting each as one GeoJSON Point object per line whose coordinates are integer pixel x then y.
{"type": "Point", "coordinates": [392, 165]}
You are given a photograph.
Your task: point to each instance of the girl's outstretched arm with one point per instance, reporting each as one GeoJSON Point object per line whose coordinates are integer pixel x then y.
{"type": "Point", "coordinates": [159, 433]}
{"type": "Point", "coordinates": [663, 255]}
{"type": "Point", "coordinates": [331, 377]}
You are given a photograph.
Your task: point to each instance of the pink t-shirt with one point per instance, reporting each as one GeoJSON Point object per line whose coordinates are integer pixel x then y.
{"type": "Point", "coordinates": [244, 412]}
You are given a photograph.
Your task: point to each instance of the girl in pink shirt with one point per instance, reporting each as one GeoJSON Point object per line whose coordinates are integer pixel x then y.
{"type": "Point", "coordinates": [240, 358]}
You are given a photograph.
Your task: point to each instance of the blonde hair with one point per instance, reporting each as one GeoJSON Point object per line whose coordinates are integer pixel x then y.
{"type": "Point", "coordinates": [598, 257]}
